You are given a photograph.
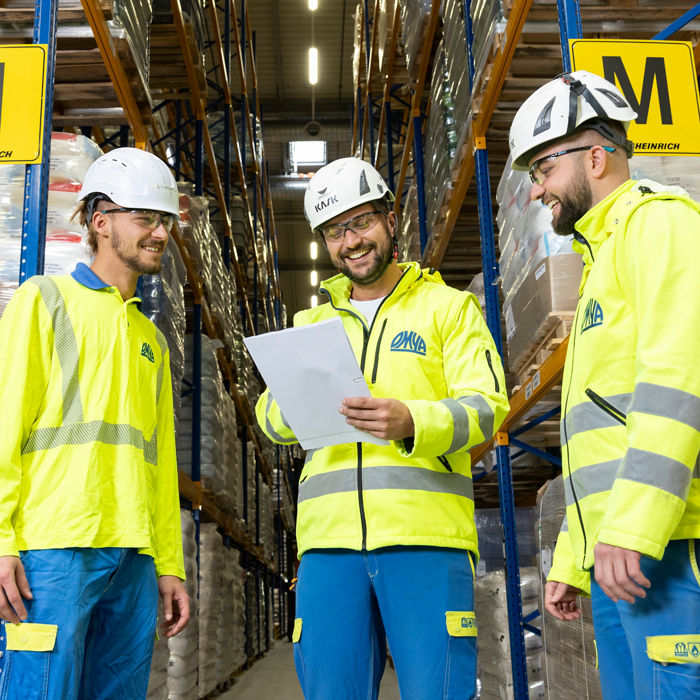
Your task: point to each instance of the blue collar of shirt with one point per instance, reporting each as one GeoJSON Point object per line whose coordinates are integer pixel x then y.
{"type": "Point", "coordinates": [85, 276]}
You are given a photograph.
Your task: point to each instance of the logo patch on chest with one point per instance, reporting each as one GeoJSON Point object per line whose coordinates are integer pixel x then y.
{"type": "Point", "coordinates": [592, 316]}
{"type": "Point", "coordinates": [408, 341]}
{"type": "Point", "coordinates": [147, 352]}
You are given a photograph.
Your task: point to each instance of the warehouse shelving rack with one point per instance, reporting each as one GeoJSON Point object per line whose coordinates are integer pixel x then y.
{"type": "Point", "coordinates": [474, 164]}
{"type": "Point", "coordinates": [193, 139]}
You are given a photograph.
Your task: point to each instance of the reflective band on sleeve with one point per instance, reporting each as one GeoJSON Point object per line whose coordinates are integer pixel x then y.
{"type": "Point", "coordinates": [268, 426]}
{"type": "Point", "coordinates": [66, 348]}
{"type": "Point", "coordinates": [656, 470]}
{"type": "Point", "coordinates": [377, 478]}
{"type": "Point", "coordinates": [310, 454]}
{"type": "Point", "coordinates": [667, 402]}
{"type": "Point", "coordinates": [93, 431]}
{"type": "Point", "coordinates": [460, 624]}
{"type": "Point", "coordinates": [587, 416]}
{"type": "Point", "coordinates": [595, 478]}
{"type": "Point", "coordinates": [674, 648]}
{"type": "Point", "coordinates": [564, 525]}
{"type": "Point", "coordinates": [460, 423]}
{"type": "Point", "coordinates": [484, 411]}
{"type": "Point", "coordinates": [163, 345]}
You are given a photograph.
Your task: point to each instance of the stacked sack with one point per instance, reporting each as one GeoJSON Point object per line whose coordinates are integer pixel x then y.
{"type": "Point", "coordinates": [71, 156]}
{"type": "Point", "coordinates": [570, 662]}
{"type": "Point", "coordinates": [158, 678]}
{"type": "Point", "coordinates": [212, 562]}
{"type": "Point", "coordinates": [212, 423]}
{"type": "Point", "coordinates": [232, 630]}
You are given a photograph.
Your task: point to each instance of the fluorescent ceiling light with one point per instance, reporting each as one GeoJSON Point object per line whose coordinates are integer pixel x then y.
{"type": "Point", "coordinates": [313, 250]}
{"type": "Point", "coordinates": [313, 65]}
{"type": "Point", "coordinates": [314, 301]}
{"type": "Point", "coordinates": [314, 278]}
{"type": "Point", "coordinates": [307, 154]}
{"type": "Point", "coordinates": [313, 5]}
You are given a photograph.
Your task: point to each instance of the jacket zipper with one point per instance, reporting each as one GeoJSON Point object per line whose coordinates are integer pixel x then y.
{"type": "Point", "coordinates": [566, 437]}
{"type": "Point", "coordinates": [376, 353]}
{"type": "Point", "coordinates": [606, 406]}
{"type": "Point", "coordinates": [495, 378]}
{"type": "Point", "coordinates": [443, 460]}
{"type": "Point", "coordinates": [365, 342]}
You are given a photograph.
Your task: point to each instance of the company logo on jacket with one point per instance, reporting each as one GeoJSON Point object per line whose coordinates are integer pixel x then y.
{"type": "Point", "coordinates": [147, 352]}
{"type": "Point", "coordinates": [592, 316]}
{"type": "Point", "coordinates": [408, 341]}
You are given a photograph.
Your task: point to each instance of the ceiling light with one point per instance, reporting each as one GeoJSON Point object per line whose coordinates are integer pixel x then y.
{"type": "Point", "coordinates": [314, 278]}
{"type": "Point", "coordinates": [314, 301]}
{"type": "Point", "coordinates": [313, 250]}
{"type": "Point", "coordinates": [313, 65]}
{"type": "Point", "coordinates": [313, 5]}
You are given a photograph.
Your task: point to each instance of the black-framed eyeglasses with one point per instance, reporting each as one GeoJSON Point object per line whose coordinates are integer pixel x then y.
{"type": "Point", "coordinates": [146, 218]}
{"type": "Point", "coordinates": [358, 225]}
{"type": "Point", "coordinates": [538, 176]}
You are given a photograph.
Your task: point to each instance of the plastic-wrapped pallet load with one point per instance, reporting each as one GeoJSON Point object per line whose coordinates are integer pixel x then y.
{"type": "Point", "coordinates": [385, 21]}
{"type": "Point", "coordinates": [71, 156]}
{"type": "Point", "coordinates": [494, 661]}
{"type": "Point", "coordinates": [212, 420]}
{"type": "Point", "coordinates": [677, 171]}
{"type": "Point", "coordinates": [414, 23]}
{"type": "Point", "coordinates": [409, 235]}
{"type": "Point", "coordinates": [487, 21]}
{"type": "Point", "coordinates": [131, 22]}
{"type": "Point", "coordinates": [440, 140]}
{"type": "Point", "coordinates": [184, 657]}
{"type": "Point", "coordinates": [280, 497]}
{"type": "Point", "coordinates": [540, 273]}
{"type": "Point", "coordinates": [268, 539]}
{"type": "Point", "coordinates": [212, 561]}
{"type": "Point", "coordinates": [569, 647]}
{"type": "Point", "coordinates": [158, 678]}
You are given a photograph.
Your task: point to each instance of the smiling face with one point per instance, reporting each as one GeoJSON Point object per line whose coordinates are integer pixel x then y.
{"type": "Point", "coordinates": [364, 256]}
{"type": "Point", "coordinates": [131, 242]}
{"type": "Point", "coordinates": [562, 185]}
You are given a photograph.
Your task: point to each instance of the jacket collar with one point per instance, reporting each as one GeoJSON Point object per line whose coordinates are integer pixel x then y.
{"type": "Point", "coordinates": [339, 288]}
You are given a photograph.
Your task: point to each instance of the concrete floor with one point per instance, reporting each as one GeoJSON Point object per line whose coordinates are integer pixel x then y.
{"type": "Point", "coordinates": [273, 678]}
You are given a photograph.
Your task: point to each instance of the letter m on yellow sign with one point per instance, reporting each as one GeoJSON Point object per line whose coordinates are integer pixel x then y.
{"type": "Point", "coordinates": [658, 80]}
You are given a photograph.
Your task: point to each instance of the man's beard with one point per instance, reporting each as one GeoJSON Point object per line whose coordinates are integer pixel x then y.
{"type": "Point", "coordinates": [573, 205]}
{"type": "Point", "coordinates": [132, 261]}
{"type": "Point", "coordinates": [382, 257]}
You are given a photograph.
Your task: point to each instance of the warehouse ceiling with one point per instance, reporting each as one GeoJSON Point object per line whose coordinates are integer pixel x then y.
{"type": "Point", "coordinates": [284, 31]}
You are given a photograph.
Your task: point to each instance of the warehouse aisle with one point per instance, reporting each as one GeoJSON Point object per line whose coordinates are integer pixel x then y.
{"type": "Point", "coordinates": [274, 678]}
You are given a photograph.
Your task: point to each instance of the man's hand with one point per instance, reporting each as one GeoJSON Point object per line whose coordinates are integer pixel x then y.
{"type": "Point", "coordinates": [560, 600]}
{"type": "Point", "coordinates": [389, 419]}
{"type": "Point", "coordinates": [13, 587]}
{"type": "Point", "coordinates": [617, 572]}
{"type": "Point", "coordinates": [176, 605]}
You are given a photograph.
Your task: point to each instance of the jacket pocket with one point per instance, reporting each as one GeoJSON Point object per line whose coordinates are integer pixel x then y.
{"type": "Point", "coordinates": [605, 405]}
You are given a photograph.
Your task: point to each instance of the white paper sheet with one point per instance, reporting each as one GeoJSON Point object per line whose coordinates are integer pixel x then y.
{"type": "Point", "coordinates": [309, 371]}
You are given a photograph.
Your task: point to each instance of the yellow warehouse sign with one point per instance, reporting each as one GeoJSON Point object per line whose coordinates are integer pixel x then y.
{"type": "Point", "coordinates": [658, 79]}
{"type": "Point", "coordinates": [22, 93]}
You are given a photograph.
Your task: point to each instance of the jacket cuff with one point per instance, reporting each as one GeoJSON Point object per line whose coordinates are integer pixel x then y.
{"type": "Point", "coordinates": [633, 542]}
{"type": "Point", "coordinates": [578, 578]}
{"type": "Point", "coordinates": [429, 438]}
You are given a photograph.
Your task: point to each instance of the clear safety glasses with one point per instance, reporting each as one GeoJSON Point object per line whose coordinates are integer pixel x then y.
{"type": "Point", "coordinates": [540, 169]}
{"type": "Point", "coordinates": [358, 225]}
{"type": "Point", "coordinates": [146, 218]}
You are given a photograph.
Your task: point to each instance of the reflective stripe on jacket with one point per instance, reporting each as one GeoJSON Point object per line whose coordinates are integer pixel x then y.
{"type": "Point", "coordinates": [87, 450]}
{"type": "Point", "coordinates": [631, 391]}
{"type": "Point", "coordinates": [429, 347]}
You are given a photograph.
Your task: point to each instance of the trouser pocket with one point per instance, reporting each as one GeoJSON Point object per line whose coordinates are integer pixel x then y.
{"type": "Point", "coordinates": [461, 653]}
{"type": "Point", "coordinates": [676, 665]}
{"type": "Point", "coordinates": [27, 661]}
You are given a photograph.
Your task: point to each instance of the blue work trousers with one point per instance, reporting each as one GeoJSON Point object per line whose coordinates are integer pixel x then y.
{"type": "Point", "coordinates": [650, 650]}
{"type": "Point", "coordinates": [103, 603]}
{"type": "Point", "coordinates": [420, 599]}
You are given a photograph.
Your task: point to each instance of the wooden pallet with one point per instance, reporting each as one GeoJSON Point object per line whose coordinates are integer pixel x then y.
{"type": "Point", "coordinates": [168, 78]}
{"type": "Point", "coordinates": [550, 334]}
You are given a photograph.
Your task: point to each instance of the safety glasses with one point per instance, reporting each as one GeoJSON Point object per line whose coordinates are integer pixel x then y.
{"type": "Point", "coordinates": [358, 225]}
{"type": "Point", "coordinates": [539, 170]}
{"type": "Point", "coordinates": [146, 218]}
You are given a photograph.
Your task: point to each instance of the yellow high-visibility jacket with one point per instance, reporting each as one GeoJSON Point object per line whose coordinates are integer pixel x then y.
{"type": "Point", "coordinates": [87, 446]}
{"type": "Point", "coordinates": [630, 429]}
{"type": "Point", "coordinates": [429, 347]}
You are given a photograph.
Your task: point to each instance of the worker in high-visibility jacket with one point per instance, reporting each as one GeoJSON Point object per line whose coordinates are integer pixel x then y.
{"type": "Point", "coordinates": [89, 506]}
{"type": "Point", "coordinates": [386, 533]}
{"type": "Point", "coordinates": [630, 428]}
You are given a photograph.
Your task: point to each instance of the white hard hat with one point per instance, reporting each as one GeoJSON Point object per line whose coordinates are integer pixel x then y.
{"type": "Point", "coordinates": [340, 186]}
{"type": "Point", "coordinates": [570, 103]}
{"type": "Point", "coordinates": [134, 179]}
